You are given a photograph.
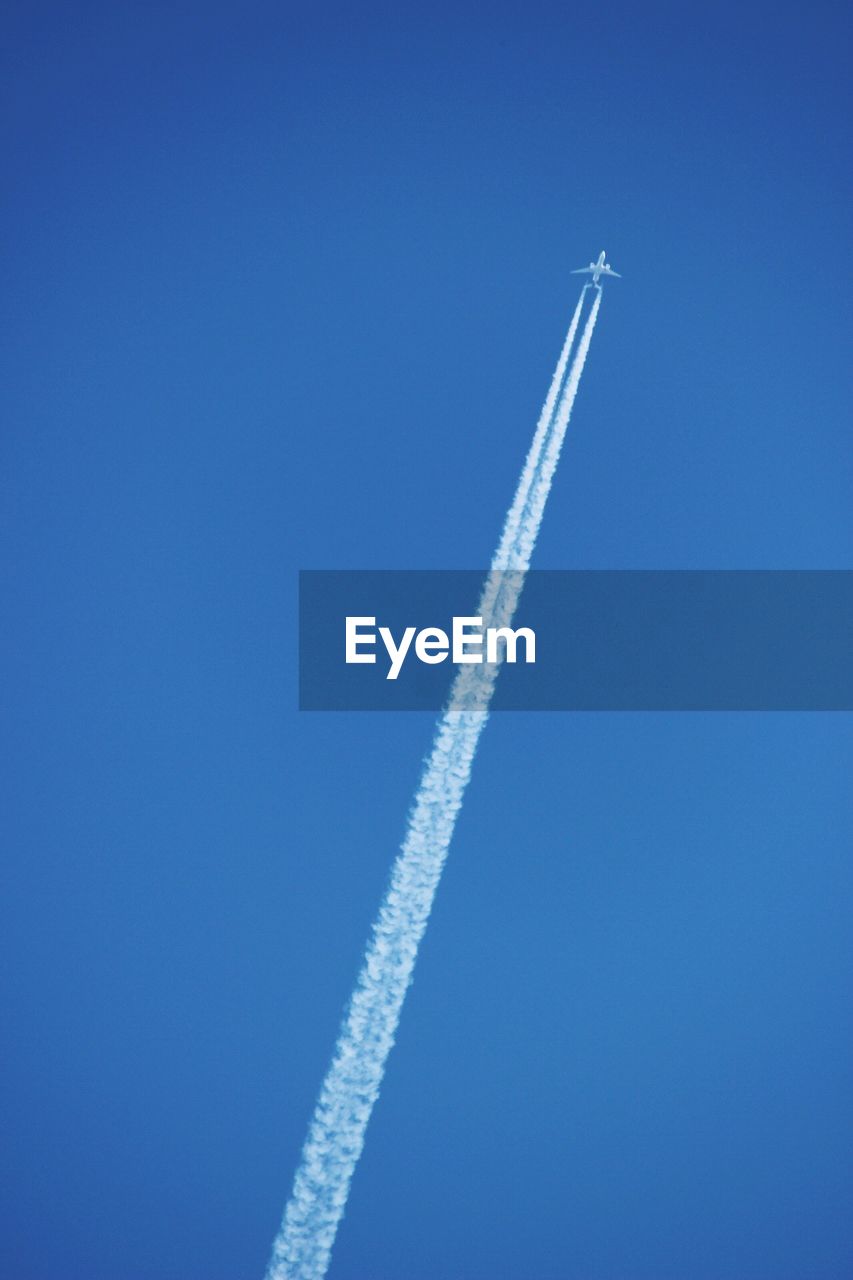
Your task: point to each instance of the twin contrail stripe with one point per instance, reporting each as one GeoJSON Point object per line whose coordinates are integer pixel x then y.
{"type": "Point", "coordinates": [503, 555]}
{"type": "Point", "coordinates": [541, 487]}
{"type": "Point", "coordinates": [335, 1139]}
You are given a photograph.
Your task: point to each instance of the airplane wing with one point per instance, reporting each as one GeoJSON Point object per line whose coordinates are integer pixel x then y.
{"type": "Point", "coordinates": [608, 272]}
{"type": "Point", "coordinates": [582, 271]}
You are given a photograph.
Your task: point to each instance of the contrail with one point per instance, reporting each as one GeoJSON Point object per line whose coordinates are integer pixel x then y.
{"type": "Point", "coordinates": [541, 486]}
{"type": "Point", "coordinates": [302, 1248]}
{"type": "Point", "coordinates": [503, 555]}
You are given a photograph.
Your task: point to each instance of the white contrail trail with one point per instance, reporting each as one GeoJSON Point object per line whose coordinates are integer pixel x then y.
{"type": "Point", "coordinates": [541, 487]}
{"type": "Point", "coordinates": [501, 590]}
{"type": "Point", "coordinates": [302, 1249]}
{"type": "Point", "coordinates": [502, 556]}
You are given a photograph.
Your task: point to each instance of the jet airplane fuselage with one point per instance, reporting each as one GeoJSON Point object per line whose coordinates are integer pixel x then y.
{"type": "Point", "coordinates": [597, 270]}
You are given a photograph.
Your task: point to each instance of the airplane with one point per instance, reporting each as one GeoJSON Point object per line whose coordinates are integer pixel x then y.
{"type": "Point", "coordinates": [596, 269]}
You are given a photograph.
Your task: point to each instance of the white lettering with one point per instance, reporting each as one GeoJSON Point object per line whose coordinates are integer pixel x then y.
{"type": "Point", "coordinates": [432, 645]}
{"type": "Point", "coordinates": [354, 639]}
{"type": "Point", "coordinates": [395, 653]}
{"type": "Point", "coordinates": [463, 640]}
{"type": "Point", "coordinates": [510, 639]}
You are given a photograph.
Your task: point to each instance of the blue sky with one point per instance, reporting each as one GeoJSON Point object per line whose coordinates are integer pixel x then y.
{"type": "Point", "coordinates": [284, 289]}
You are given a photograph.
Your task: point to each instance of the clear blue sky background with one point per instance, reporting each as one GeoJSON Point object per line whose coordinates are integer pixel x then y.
{"type": "Point", "coordinates": [283, 288]}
